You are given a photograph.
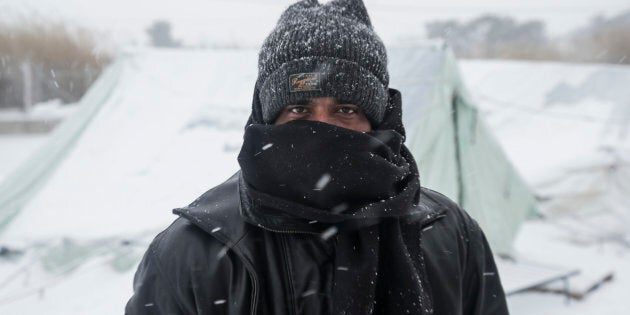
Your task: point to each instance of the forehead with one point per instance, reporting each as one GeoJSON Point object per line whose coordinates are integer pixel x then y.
{"type": "Point", "coordinates": [321, 101]}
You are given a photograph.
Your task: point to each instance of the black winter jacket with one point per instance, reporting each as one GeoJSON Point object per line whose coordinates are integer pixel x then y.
{"type": "Point", "coordinates": [209, 261]}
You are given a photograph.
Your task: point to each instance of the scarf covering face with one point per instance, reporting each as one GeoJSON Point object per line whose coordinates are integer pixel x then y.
{"type": "Point", "coordinates": [309, 177]}
{"type": "Point", "coordinates": [319, 172]}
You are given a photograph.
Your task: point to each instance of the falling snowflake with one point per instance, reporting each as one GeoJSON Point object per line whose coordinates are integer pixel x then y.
{"type": "Point", "coordinates": [328, 233]}
{"type": "Point", "coordinates": [222, 252]}
{"type": "Point", "coordinates": [323, 181]}
{"type": "Point", "coordinates": [339, 208]}
{"type": "Point", "coordinates": [309, 292]}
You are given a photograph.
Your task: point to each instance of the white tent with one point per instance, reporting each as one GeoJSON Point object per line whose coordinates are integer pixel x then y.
{"type": "Point", "coordinates": [160, 127]}
{"type": "Point", "coordinates": [566, 128]}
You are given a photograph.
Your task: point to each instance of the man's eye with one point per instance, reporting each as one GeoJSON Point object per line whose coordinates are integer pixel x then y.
{"type": "Point", "coordinates": [297, 110]}
{"type": "Point", "coordinates": [347, 110]}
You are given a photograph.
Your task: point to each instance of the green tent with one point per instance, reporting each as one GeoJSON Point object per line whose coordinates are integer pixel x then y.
{"type": "Point", "coordinates": [456, 153]}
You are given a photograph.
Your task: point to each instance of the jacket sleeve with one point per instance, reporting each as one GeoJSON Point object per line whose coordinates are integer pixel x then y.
{"type": "Point", "coordinates": [153, 292]}
{"type": "Point", "coordinates": [187, 271]}
{"type": "Point", "coordinates": [481, 279]}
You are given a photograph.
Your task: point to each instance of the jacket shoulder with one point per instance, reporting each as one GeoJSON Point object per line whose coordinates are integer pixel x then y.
{"type": "Point", "coordinates": [186, 269]}
{"type": "Point", "coordinates": [451, 210]}
{"type": "Point", "coordinates": [217, 212]}
{"type": "Point", "coordinates": [182, 237]}
{"type": "Point", "coordinates": [436, 199]}
{"type": "Point", "coordinates": [459, 260]}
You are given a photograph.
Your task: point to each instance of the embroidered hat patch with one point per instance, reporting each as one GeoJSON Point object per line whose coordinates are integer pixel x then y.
{"type": "Point", "coordinates": [301, 82]}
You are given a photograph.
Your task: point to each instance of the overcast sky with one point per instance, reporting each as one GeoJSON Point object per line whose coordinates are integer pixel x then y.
{"type": "Point", "coordinates": [246, 22]}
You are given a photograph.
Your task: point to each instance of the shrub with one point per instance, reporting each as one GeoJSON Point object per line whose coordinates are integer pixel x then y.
{"type": "Point", "coordinates": [40, 61]}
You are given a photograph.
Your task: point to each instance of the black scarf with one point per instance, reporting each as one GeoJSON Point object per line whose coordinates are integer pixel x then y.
{"type": "Point", "coordinates": [314, 177]}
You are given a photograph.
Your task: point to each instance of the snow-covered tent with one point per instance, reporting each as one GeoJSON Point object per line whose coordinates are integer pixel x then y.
{"type": "Point", "coordinates": [566, 127]}
{"type": "Point", "coordinates": [160, 127]}
{"type": "Point", "coordinates": [456, 153]}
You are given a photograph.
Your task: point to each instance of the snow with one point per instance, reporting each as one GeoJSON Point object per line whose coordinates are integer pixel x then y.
{"type": "Point", "coordinates": [94, 287]}
{"type": "Point", "coordinates": [552, 242]}
{"type": "Point", "coordinates": [539, 241]}
{"type": "Point", "coordinates": [192, 123]}
{"type": "Point", "coordinates": [523, 103]}
{"type": "Point", "coordinates": [565, 127]}
{"type": "Point", "coordinates": [15, 149]}
{"type": "Point", "coordinates": [245, 23]}
{"type": "Point", "coordinates": [49, 110]}
{"type": "Point", "coordinates": [189, 126]}
{"type": "Point", "coordinates": [164, 136]}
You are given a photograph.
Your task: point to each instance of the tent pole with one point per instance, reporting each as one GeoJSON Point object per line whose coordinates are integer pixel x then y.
{"type": "Point", "coordinates": [458, 160]}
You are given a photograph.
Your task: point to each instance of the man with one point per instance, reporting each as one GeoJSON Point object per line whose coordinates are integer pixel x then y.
{"type": "Point", "coordinates": [326, 215]}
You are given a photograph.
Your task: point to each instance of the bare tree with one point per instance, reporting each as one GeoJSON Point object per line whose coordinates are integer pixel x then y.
{"type": "Point", "coordinates": [46, 60]}
{"type": "Point", "coordinates": [491, 36]}
{"type": "Point", "coordinates": [603, 40]}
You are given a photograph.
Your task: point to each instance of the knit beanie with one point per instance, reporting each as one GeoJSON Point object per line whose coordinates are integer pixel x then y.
{"type": "Point", "coordinates": [323, 50]}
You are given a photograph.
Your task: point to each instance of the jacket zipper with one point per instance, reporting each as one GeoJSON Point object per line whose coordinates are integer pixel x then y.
{"type": "Point", "coordinates": [255, 285]}
{"type": "Point", "coordinates": [252, 273]}
{"type": "Point", "coordinates": [286, 260]}
{"type": "Point", "coordinates": [287, 267]}
{"type": "Point", "coordinates": [286, 231]}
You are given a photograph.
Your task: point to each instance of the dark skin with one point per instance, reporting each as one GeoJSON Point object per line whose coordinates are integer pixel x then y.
{"type": "Point", "coordinates": [327, 110]}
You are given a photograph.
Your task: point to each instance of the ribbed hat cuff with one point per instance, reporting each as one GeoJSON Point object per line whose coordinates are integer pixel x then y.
{"type": "Point", "coordinates": [338, 78]}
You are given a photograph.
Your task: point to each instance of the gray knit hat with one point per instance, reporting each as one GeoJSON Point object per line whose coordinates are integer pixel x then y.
{"type": "Point", "coordinates": [327, 50]}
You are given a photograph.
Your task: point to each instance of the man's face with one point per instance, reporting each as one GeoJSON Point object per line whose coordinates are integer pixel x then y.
{"type": "Point", "coordinates": [328, 110]}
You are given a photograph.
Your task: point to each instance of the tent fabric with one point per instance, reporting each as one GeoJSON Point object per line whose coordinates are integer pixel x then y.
{"type": "Point", "coordinates": [161, 126]}
{"type": "Point", "coordinates": [456, 152]}
{"type": "Point", "coordinates": [17, 190]}
{"type": "Point", "coordinates": [566, 128]}
{"type": "Point", "coordinates": [156, 131]}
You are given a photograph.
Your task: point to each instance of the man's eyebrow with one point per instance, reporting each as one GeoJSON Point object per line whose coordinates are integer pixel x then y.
{"type": "Point", "coordinates": [307, 102]}
{"type": "Point", "coordinates": [301, 102]}
{"type": "Point", "coordinates": [343, 102]}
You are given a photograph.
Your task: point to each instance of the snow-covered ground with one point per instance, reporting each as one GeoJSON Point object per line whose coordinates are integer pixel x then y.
{"type": "Point", "coordinates": [49, 110]}
{"type": "Point", "coordinates": [17, 147]}
{"type": "Point", "coordinates": [102, 284]}
{"type": "Point", "coordinates": [553, 242]}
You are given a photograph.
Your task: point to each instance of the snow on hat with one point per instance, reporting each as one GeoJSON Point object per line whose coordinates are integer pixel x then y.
{"type": "Point", "coordinates": [323, 50]}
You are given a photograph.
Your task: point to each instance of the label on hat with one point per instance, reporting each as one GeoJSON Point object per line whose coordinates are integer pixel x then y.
{"type": "Point", "coordinates": [301, 82]}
